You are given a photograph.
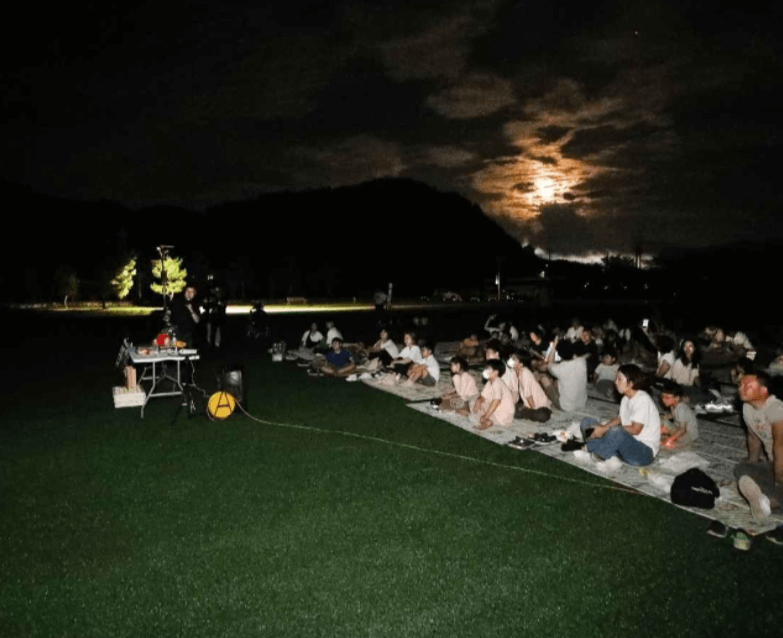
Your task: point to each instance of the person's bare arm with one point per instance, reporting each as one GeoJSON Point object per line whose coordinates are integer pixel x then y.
{"type": "Point", "coordinates": [634, 428]}
{"type": "Point", "coordinates": [777, 451]}
{"type": "Point", "coordinates": [754, 446]}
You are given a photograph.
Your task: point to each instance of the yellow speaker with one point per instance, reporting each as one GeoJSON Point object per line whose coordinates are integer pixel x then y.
{"type": "Point", "coordinates": [221, 405]}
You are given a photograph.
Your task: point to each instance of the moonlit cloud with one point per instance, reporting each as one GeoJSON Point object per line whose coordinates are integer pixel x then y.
{"type": "Point", "coordinates": [476, 95]}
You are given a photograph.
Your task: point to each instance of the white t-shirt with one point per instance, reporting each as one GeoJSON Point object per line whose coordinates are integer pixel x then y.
{"type": "Point", "coordinates": [604, 372]}
{"type": "Point", "coordinates": [413, 353]}
{"type": "Point", "coordinates": [314, 337]}
{"type": "Point", "coordinates": [668, 357]}
{"type": "Point", "coordinates": [641, 409]}
{"type": "Point", "coordinates": [572, 383]}
{"type": "Point", "coordinates": [333, 332]}
{"type": "Point", "coordinates": [391, 348]}
{"type": "Point", "coordinates": [682, 374]}
{"type": "Point", "coordinates": [432, 367]}
{"type": "Point", "coordinates": [574, 333]}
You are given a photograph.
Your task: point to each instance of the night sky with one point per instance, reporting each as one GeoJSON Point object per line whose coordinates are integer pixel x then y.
{"type": "Point", "coordinates": [580, 127]}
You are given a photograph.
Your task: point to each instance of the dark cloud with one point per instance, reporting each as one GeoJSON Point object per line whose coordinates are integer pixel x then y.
{"type": "Point", "coordinates": [548, 134]}
{"type": "Point", "coordinates": [587, 125]}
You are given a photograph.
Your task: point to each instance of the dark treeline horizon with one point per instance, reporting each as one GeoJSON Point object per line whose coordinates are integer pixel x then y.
{"type": "Point", "coordinates": [342, 242]}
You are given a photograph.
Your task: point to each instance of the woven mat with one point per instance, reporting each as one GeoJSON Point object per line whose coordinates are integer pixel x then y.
{"type": "Point", "coordinates": [721, 443]}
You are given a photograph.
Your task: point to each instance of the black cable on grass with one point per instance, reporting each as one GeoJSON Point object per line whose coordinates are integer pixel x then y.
{"type": "Point", "coordinates": [431, 451]}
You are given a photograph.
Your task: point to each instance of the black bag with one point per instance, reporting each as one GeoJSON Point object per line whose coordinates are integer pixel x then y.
{"type": "Point", "coordinates": [694, 489]}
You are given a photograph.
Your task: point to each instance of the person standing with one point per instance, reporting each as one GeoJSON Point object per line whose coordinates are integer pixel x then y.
{"type": "Point", "coordinates": [185, 316]}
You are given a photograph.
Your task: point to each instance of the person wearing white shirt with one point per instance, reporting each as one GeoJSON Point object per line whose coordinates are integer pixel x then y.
{"type": "Point", "coordinates": [409, 355]}
{"type": "Point", "coordinates": [332, 332]}
{"type": "Point", "coordinates": [312, 338]}
{"type": "Point", "coordinates": [427, 372]}
{"type": "Point", "coordinates": [634, 435]}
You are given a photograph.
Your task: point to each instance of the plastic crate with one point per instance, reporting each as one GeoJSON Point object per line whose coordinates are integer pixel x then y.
{"type": "Point", "coordinates": [128, 397]}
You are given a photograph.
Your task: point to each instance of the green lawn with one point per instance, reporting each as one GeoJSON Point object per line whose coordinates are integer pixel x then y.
{"type": "Point", "coordinates": [116, 526]}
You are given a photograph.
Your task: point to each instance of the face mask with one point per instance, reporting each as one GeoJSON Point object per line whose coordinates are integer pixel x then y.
{"type": "Point", "coordinates": [486, 374]}
{"type": "Point", "coordinates": [511, 363]}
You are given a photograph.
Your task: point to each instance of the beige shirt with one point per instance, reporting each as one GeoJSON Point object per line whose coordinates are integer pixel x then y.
{"type": "Point", "coordinates": [529, 387]}
{"type": "Point", "coordinates": [465, 386]}
{"type": "Point", "coordinates": [497, 390]}
{"type": "Point", "coordinates": [760, 420]}
{"type": "Point", "coordinates": [682, 374]}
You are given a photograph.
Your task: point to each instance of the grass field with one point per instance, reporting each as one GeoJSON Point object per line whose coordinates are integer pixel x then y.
{"type": "Point", "coordinates": [351, 516]}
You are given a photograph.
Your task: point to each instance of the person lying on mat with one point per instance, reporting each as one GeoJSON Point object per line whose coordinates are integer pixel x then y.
{"type": "Point", "coordinates": [494, 406]}
{"type": "Point", "coordinates": [634, 435]}
{"type": "Point", "coordinates": [465, 389]}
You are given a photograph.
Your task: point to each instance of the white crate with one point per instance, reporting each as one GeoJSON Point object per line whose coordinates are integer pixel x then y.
{"type": "Point", "coordinates": [128, 397]}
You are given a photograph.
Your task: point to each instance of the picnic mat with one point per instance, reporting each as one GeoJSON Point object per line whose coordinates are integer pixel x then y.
{"type": "Point", "coordinates": [720, 447]}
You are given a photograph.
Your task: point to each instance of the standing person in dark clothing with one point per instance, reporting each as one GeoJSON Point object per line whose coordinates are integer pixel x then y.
{"type": "Point", "coordinates": [185, 315]}
{"type": "Point", "coordinates": [215, 307]}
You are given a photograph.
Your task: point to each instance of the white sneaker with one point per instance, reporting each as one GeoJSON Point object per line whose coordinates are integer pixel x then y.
{"type": "Point", "coordinates": [352, 377]}
{"type": "Point", "coordinates": [759, 504]}
{"type": "Point", "coordinates": [582, 456]}
{"type": "Point", "coordinates": [610, 466]}
{"type": "Point", "coordinates": [365, 375]}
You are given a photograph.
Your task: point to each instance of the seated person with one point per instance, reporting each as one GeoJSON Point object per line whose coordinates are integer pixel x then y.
{"type": "Point", "coordinates": [409, 355]}
{"type": "Point", "coordinates": [541, 344]}
{"type": "Point", "coordinates": [384, 350]}
{"type": "Point", "coordinates": [337, 362]}
{"type": "Point", "coordinates": [469, 347]}
{"type": "Point", "coordinates": [566, 382]}
{"type": "Point", "coordinates": [665, 357]}
{"type": "Point", "coordinates": [509, 377]}
{"type": "Point", "coordinates": [738, 342]}
{"type": "Point", "coordinates": [464, 390]}
{"type": "Point", "coordinates": [427, 372]}
{"type": "Point", "coordinates": [312, 338]}
{"type": "Point", "coordinates": [533, 403]}
{"type": "Point", "coordinates": [685, 371]}
{"type": "Point", "coordinates": [332, 332]}
{"type": "Point", "coordinates": [633, 436]}
{"type": "Point", "coordinates": [586, 348]}
{"type": "Point", "coordinates": [574, 331]}
{"type": "Point", "coordinates": [683, 425]}
{"type": "Point", "coordinates": [606, 373]}
{"type": "Point", "coordinates": [494, 406]}
{"type": "Point", "coordinates": [761, 482]}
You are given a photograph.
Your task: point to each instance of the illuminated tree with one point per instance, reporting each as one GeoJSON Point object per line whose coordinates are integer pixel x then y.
{"type": "Point", "coordinates": [122, 281]}
{"type": "Point", "coordinates": [66, 283]}
{"type": "Point", "coordinates": [169, 276]}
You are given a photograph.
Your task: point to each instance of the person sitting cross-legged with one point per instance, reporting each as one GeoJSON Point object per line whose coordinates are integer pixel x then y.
{"type": "Point", "coordinates": [633, 436]}
{"type": "Point", "coordinates": [337, 362]}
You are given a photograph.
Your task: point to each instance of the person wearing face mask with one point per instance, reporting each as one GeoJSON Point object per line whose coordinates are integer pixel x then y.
{"type": "Point", "coordinates": [509, 378]}
{"type": "Point", "coordinates": [495, 405]}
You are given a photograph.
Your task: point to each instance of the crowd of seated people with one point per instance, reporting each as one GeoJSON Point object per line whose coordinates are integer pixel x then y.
{"type": "Point", "coordinates": [655, 374]}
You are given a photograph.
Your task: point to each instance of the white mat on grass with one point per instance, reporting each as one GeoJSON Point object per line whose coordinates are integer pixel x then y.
{"type": "Point", "coordinates": [717, 448]}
